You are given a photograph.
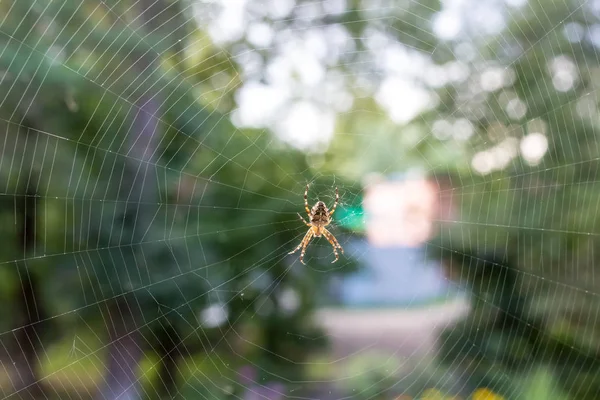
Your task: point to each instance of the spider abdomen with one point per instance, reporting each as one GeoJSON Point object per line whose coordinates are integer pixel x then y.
{"type": "Point", "coordinates": [319, 214]}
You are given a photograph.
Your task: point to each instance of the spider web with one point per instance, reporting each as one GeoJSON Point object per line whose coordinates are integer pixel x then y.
{"type": "Point", "coordinates": [187, 232]}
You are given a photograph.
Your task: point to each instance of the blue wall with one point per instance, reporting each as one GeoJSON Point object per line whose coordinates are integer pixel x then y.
{"type": "Point", "coordinates": [391, 277]}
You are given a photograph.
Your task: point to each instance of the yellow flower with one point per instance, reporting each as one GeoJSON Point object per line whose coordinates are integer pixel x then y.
{"type": "Point", "coordinates": [486, 394]}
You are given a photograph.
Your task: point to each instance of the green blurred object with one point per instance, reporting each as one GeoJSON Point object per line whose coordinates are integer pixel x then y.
{"type": "Point", "coordinates": [351, 218]}
{"type": "Point", "coordinates": [542, 386]}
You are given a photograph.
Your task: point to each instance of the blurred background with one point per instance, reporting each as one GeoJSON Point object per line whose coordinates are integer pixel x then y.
{"type": "Point", "coordinates": [155, 153]}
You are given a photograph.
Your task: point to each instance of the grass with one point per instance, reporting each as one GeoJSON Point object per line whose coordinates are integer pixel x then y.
{"type": "Point", "coordinates": [75, 368]}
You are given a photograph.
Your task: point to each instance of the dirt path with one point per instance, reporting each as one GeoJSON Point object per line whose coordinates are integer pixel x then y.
{"type": "Point", "coordinates": [408, 336]}
{"type": "Point", "coordinates": [409, 333]}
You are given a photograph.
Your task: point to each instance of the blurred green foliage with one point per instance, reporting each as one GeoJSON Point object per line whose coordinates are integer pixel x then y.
{"type": "Point", "coordinates": [223, 217]}
{"type": "Point", "coordinates": [216, 232]}
{"type": "Point", "coordinates": [524, 239]}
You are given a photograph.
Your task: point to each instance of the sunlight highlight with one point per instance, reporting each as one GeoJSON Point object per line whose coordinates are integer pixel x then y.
{"type": "Point", "coordinates": [533, 147]}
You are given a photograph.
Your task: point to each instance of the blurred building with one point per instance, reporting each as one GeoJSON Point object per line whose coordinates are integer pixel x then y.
{"type": "Point", "coordinates": [400, 300]}
{"type": "Point", "coordinates": [401, 214]}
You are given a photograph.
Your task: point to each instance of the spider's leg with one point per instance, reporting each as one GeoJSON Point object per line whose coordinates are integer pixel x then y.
{"type": "Point", "coordinates": [300, 245]}
{"type": "Point", "coordinates": [334, 243]}
{"type": "Point", "coordinates": [302, 219]}
{"type": "Point", "coordinates": [306, 201]}
{"type": "Point", "coordinates": [337, 199]}
{"type": "Point", "coordinates": [303, 245]}
{"type": "Point", "coordinates": [337, 256]}
{"type": "Point", "coordinates": [307, 240]}
{"type": "Point", "coordinates": [333, 239]}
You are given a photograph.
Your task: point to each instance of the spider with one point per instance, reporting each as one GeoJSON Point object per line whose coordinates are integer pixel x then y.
{"type": "Point", "coordinates": [319, 217]}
